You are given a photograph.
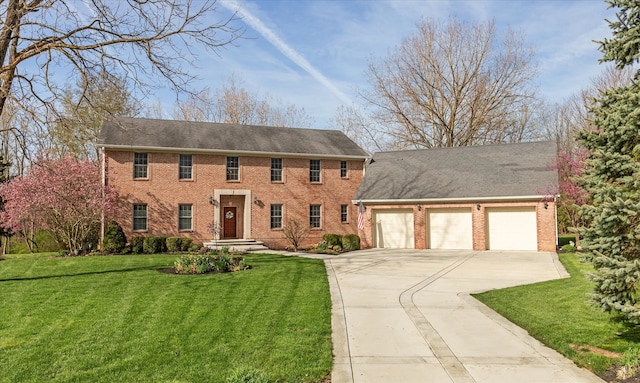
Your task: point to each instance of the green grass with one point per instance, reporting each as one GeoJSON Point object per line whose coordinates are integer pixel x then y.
{"type": "Point", "coordinates": [117, 319]}
{"type": "Point", "coordinates": [558, 313]}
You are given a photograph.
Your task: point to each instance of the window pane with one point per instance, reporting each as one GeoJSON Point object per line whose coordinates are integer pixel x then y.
{"type": "Point", "coordinates": [140, 162]}
{"type": "Point", "coordinates": [186, 162]}
{"type": "Point", "coordinates": [276, 216]}
{"type": "Point", "coordinates": [314, 170]}
{"type": "Point", "coordinates": [314, 216]}
{"type": "Point", "coordinates": [276, 170]}
{"type": "Point", "coordinates": [184, 217]}
{"type": "Point", "coordinates": [344, 213]}
{"type": "Point", "coordinates": [139, 217]}
{"type": "Point", "coordinates": [344, 169]}
{"type": "Point", "coordinates": [232, 169]}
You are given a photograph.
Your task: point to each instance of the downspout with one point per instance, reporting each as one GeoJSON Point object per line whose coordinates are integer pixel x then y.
{"type": "Point", "coordinates": [103, 164]}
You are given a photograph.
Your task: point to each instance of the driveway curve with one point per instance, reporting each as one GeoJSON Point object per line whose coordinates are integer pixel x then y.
{"type": "Point", "coordinates": [406, 316]}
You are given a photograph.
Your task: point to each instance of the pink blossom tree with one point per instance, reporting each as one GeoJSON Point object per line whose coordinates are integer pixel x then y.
{"type": "Point", "coordinates": [570, 165]}
{"type": "Point", "coordinates": [64, 196]}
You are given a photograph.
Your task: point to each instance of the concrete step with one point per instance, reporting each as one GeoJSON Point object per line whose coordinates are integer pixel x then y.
{"type": "Point", "coordinates": [239, 245]}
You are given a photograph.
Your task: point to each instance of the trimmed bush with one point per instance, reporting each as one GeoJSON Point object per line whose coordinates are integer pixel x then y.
{"type": "Point", "coordinates": [185, 244]}
{"type": "Point", "coordinates": [350, 242]}
{"type": "Point", "coordinates": [332, 240]}
{"type": "Point", "coordinates": [174, 244]}
{"type": "Point", "coordinates": [137, 245]}
{"type": "Point", "coordinates": [204, 263]}
{"type": "Point", "coordinates": [154, 245]}
{"type": "Point", "coordinates": [114, 239]}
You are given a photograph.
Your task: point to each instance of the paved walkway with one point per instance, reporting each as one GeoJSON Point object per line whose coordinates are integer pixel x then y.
{"type": "Point", "coordinates": [406, 316]}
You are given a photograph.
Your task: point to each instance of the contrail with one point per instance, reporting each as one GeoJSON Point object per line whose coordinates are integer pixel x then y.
{"type": "Point", "coordinates": [255, 23]}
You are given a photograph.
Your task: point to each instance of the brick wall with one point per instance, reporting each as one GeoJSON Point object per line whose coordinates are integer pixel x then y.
{"type": "Point", "coordinates": [162, 191]}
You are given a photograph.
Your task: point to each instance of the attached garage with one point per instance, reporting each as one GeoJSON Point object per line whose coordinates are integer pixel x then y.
{"type": "Point", "coordinates": [393, 228]}
{"type": "Point", "coordinates": [512, 228]}
{"type": "Point", "coordinates": [450, 229]}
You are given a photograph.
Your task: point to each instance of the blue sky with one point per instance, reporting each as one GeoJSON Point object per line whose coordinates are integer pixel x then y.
{"type": "Point", "coordinates": [314, 54]}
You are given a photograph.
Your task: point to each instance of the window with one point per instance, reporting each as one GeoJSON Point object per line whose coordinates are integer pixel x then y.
{"type": "Point", "coordinates": [276, 216]}
{"type": "Point", "coordinates": [233, 173]}
{"type": "Point", "coordinates": [314, 170]}
{"type": "Point", "coordinates": [140, 164]}
{"type": "Point", "coordinates": [139, 217]}
{"type": "Point", "coordinates": [184, 217]}
{"type": "Point", "coordinates": [344, 169]}
{"type": "Point", "coordinates": [186, 163]}
{"type": "Point", "coordinates": [344, 213]}
{"type": "Point", "coordinates": [314, 216]}
{"type": "Point", "coordinates": [276, 170]}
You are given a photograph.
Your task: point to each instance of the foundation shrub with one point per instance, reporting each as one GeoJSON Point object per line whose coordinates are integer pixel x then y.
{"type": "Point", "coordinates": [174, 244]}
{"type": "Point", "coordinates": [114, 240]}
{"type": "Point", "coordinates": [154, 245]}
{"type": "Point", "coordinates": [332, 240]}
{"type": "Point", "coordinates": [350, 242]}
{"type": "Point", "coordinates": [137, 244]}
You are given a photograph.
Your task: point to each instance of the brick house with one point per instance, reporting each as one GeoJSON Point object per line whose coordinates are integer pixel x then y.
{"type": "Point", "coordinates": [177, 178]}
{"type": "Point", "coordinates": [476, 197]}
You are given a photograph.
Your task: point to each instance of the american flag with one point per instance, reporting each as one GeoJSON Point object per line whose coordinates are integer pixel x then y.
{"type": "Point", "coordinates": [360, 216]}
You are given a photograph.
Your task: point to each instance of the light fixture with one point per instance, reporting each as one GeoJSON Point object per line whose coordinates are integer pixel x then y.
{"type": "Point", "coordinates": [419, 207]}
{"type": "Point", "coordinates": [255, 200]}
{"type": "Point", "coordinates": [546, 205]}
{"type": "Point", "coordinates": [477, 206]}
{"type": "Point", "coordinates": [211, 199]}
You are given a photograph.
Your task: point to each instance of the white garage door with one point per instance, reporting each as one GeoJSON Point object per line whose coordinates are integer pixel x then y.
{"type": "Point", "coordinates": [393, 229]}
{"type": "Point", "coordinates": [450, 229]}
{"type": "Point", "coordinates": [512, 228]}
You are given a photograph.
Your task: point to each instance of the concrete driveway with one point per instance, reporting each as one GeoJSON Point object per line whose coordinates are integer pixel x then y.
{"type": "Point", "coordinates": [406, 316]}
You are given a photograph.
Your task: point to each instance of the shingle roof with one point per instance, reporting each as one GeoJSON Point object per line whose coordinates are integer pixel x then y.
{"type": "Point", "coordinates": [136, 133]}
{"type": "Point", "coordinates": [490, 171]}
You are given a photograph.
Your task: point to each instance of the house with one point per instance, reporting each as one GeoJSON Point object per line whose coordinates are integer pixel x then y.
{"type": "Point", "coordinates": [205, 180]}
{"type": "Point", "coordinates": [490, 197]}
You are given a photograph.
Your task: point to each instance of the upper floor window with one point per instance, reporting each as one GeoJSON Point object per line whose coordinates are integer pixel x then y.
{"type": "Point", "coordinates": [185, 167]}
{"type": "Point", "coordinates": [185, 217]}
{"type": "Point", "coordinates": [139, 217]}
{"type": "Point", "coordinates": [344, 213]}
{"type": "Point", "coordinates": [276, 170]}
{"type": "Point", "coordinates": [233, 169]}
{"type": "Point", "coordinates": [314, 170]}
{"type": "Point", "coordinates": [140, 165]}
{"type": "Point", "coordinates": [276, 216]}
{"type": "Point", "coordinates": [315, 216]}
{"type": "Point", "coordinates": [344, 169]}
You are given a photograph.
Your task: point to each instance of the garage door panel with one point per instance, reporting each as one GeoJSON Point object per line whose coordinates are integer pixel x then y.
{"type": "Point", "coordinates": [394, 229]}
{"type": "Point", "coordinates": [450, 229]}
{"type": "Point", "coordinates": [512, 228]}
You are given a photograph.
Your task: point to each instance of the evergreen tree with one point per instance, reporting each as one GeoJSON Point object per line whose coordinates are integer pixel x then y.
{"type": "Point", "coordinates": [611, 235]}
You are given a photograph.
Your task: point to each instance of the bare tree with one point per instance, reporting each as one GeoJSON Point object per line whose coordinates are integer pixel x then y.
{"type": "Point", "coordinates": [295, 233]}
{"type": "Point", "coordinates": [84, 109]}
{"type": "Point", "coordinates": [147, 40]}
{"type": "Point", "coordinates": [233, 104]}
{"type": "Point", "coordinates": [453, 84]}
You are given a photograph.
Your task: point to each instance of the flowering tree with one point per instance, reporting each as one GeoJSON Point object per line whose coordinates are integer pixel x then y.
{"type": "Point", "coordinates": [63, 196]}
{"type": "Point", "coordinates": [570, 165]}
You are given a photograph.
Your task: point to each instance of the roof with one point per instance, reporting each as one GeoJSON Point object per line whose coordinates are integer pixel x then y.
{"type": "Point", "coordinates": [150, 134]}
{"type": "Point", "coordinates": [471, 172]}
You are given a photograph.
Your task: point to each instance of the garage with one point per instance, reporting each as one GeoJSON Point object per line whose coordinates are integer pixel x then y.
{"type": "Point", "coordinates": [393, 228]}
{"type": "Point", "coordinates": [450, 229]}
{"type": "Point", "coordinates": [512, 228]}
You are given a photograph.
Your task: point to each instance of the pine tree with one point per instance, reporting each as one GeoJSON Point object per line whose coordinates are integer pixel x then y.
{"type": "Point", "coordinates": [611, 235]}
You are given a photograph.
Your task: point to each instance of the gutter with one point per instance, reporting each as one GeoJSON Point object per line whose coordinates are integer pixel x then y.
{"type": "Point", "coordinates": [233, 152]}
{"type": "Point", "coordinates": [435, 200]}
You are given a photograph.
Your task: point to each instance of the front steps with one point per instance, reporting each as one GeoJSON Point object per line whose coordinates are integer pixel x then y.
{"type": "Point", "coordinates": [238, 245]}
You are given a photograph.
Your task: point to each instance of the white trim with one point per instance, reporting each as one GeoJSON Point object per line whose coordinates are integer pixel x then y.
{"type": "Point", "coordinates": [436, 200]}
{"type": "Point", "coordinates": [217, 193]}
{"type": "Point", "coordinates": [231, 152]}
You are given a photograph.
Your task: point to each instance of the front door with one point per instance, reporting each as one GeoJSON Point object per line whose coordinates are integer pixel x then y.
{"type": "Point", "coordinates": [229, 229]}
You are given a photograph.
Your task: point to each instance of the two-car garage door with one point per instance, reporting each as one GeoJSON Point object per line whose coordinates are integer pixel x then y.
{"type": "Point", "coordinates": [508, 228]}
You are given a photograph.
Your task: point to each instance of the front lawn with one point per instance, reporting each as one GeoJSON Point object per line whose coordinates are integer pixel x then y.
{"type": "Point", "coordinates": [117, 319]}
{"type": "Point", "coordinates": [558, 314]}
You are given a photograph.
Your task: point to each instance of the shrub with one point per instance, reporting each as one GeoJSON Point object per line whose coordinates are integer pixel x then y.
{"type": "Point", "coordinates": [204, 263]}
{"type": "Point", "coordinates": [332, 240]}
{"type": "Point", "coordinates": [247, 375]}
{"type": "Point", "coordinates": [174, 244]}
{"type": "Point", "coordinates": [114, 240]}
{"type": "Point", "coordinates": [194, 248]}
{"type": "Point", "coordinates": [185, 244]}
{"type": "Point", "coordinates": [350, 242]}
{"type": "Point", "coordinates": [137, 244]}
{"type": "Point", "coordinates": [295, 232]}
{"type": "Point", "coordinates": [154, 245]}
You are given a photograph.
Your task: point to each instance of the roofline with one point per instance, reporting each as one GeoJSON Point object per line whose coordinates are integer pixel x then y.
{"type": "Point", "coordinates": [238, 152]}
{"type": "Point", "coordinates": [465, 199]}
